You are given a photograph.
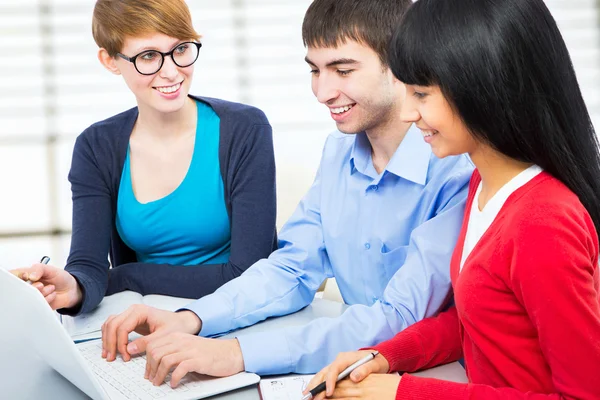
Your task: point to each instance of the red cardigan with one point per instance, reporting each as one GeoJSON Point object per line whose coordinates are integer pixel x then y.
{"type": "Point", "coordinates": [527, 314]}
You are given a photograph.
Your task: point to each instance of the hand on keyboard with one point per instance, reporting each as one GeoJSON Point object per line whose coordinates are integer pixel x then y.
{"type": "Point", "coordinates": [183, 353]}
{"type": "Point", "coordinates": [144, 320]}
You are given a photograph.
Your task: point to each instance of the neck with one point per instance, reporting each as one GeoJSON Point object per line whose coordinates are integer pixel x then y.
{"type": "Point", "coordinates": [385, 140]}
{"type": "Point", "coordinates": [166, 126]}
{"type": "Point", "coordinates": [496, 170]}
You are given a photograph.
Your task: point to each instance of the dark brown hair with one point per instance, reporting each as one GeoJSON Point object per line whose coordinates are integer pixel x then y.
{"type": "Point", "coordinates": [329, 23]}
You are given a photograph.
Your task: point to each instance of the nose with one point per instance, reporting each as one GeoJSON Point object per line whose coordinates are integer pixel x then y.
{"type": "Point", "coordinates": [409, 111]}
{"type": "Point", "coordinates": [168, 69]}
{"type": "Point", "coordinates": [324, 88]}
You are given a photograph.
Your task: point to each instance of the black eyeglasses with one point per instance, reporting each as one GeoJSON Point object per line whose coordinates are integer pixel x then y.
{"type": "Point", "coordinates": [150, 62]}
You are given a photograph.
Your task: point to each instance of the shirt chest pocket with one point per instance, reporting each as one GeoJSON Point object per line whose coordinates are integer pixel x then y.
{"type": "Point", "coordinates": [393, 259]}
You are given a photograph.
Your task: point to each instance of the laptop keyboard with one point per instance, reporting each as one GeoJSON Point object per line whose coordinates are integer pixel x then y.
{"type": "Point", "coordinates": [128, 377]}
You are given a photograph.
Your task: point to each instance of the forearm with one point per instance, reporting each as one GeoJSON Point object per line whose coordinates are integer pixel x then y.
{"type": "Point", "coordinates": [426, 344]}
{"type": "Point", "coordinates": [309, 348]}
{"type": "Point", "coordinates": [417, 388]}
{"type": "Point", "coordinates": [171, 280]}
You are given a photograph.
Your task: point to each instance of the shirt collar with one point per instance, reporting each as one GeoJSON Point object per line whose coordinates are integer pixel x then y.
{"type": "Point", "coordinates": [410, 161]}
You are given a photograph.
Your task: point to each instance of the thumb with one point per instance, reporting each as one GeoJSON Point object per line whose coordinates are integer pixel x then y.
{"type": "Point", "coordinates": [362, 372]}
{"type": "Point", "coordinates": [138, 345]}
{"type": "Point", "coordinates": [33, 273]}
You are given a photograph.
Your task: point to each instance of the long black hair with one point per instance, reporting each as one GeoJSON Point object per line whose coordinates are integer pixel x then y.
{"type": "Point", "coordinates": [504, 67]}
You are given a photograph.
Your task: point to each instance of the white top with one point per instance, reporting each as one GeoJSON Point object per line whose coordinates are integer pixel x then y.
{"type": "Point", "coordinates": [480, 221]}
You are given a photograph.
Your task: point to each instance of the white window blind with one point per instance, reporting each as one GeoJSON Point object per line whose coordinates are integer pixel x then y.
{"type": "Point", "coordinates": [54, 87]}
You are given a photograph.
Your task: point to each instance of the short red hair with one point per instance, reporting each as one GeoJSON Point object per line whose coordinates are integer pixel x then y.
{"type": "Point", "coordinates": [114, 20]}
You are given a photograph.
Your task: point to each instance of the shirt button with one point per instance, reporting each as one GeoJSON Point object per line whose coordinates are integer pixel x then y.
{"type": "Point", "coordinates": [375, 299]}
{"type": "Point", "coordinates": [367, 246]}
{"type": "Point", "coordinates": [375, 188]}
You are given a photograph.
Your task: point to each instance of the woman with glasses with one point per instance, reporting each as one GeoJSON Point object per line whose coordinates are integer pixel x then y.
{"type": "Point", "coordinates": [180, 190]}
{"type": "Point", "coordinates": [494, 79]}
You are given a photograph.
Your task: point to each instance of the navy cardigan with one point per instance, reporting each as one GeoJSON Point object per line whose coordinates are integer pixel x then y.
{"type": "Point", "coordinates": [248, 171]}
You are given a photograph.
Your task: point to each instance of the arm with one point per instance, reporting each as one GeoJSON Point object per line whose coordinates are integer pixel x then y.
{"type": "Point", "coordinates": [558, 286]}
{"type": "Point", "coordinates": [253, 232]}
{"type": "Point", "coordinates": [279, 285]}
{"type": "Point", "coordinates": [417, 290]}
{"type": "Point", "coordinates": [90, 238]}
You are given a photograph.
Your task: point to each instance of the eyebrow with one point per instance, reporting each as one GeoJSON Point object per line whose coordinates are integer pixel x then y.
{"type": "Point", "coordinates": [333, 63]}
{"type": "Point", "coordinates": [154, 47]}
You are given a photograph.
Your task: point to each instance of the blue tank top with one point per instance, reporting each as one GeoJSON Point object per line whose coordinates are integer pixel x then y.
{"type": "Point", "coordinates": [189, 226]}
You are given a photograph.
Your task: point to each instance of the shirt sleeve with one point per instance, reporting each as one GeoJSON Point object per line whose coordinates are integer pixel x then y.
{"type": "Point", "coordinates": [253, 231]}
{"type": "Point", "coordinates": [417, 290]}
{"type": "Point", "coordinates": [285, 282]}
{"type": "Point", "coordinates": [554, 275]}
{"type": "Point", "coordinates": [90, 238]}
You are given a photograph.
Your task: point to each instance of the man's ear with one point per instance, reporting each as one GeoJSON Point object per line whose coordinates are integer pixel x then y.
{"type": "Point", "coordinates": [108, 61]}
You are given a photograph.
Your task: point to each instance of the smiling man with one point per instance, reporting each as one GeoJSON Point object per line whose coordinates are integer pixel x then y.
{"type": "Point", "coordinates": [382, 217]}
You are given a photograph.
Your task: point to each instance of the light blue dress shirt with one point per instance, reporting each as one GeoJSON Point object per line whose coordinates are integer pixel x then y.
{"type": "Point", "coordinates": [387, 239]}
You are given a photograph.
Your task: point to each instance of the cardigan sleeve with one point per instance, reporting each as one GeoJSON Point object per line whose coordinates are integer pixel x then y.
{"type": "Point", "coordinates": [253, 230]}
{"type": "Point", "coordinates": [92, 226]}
{"type": "Point", "coordinates": [430, 342]}
{"type": "Point", "coordinates": [554, 274]}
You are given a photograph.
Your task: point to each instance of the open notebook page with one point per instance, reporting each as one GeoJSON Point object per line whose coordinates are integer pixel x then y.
{"type": "Point", "coordinates": [287, 388]}
{"type": "Point", "coordinates": [88, 325]}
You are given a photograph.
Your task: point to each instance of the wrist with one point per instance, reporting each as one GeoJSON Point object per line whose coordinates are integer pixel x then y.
{"type": "Point", "coordinates": [76, 293]}
{"type": "Point", "coordinates": [238, 357]}
{"type": "Point", "coordinates": [191, 322]}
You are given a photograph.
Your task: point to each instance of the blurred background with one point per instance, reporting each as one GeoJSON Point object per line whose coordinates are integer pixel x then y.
{"type": "Point", "coordinates": [53, 87]}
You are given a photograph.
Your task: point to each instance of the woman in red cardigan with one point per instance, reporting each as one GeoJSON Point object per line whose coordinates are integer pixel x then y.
{"type": "Point", "coordinates": [494, 79]}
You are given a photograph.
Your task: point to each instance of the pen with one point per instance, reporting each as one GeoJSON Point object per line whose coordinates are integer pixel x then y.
{"type": "Point", "coordinates": [321, 386]}
{"type": "Point", "coordinates": [44, 260]}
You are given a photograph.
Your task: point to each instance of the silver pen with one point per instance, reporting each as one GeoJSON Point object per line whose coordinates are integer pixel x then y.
{"type": "Point", "coordinates": [322, 386]}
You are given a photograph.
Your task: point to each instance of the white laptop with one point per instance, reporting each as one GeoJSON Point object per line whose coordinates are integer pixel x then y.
{"type": "Point", "coordinates": [31, 319]}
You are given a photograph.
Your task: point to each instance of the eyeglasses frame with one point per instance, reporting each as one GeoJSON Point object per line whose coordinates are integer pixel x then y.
{"type": "Point", "coordinates": [162, 62]}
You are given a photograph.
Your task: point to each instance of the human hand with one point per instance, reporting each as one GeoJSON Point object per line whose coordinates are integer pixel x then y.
{"type": "Point", "coordinates": [373, 387]}
{"type": "Point", "coordinates": [183, 353]}
{"type": "Point", "coordinates": [329, 374]}
{"type": "Point", "coordinates": [145, 320]}
{"type": "Point", "coordinates": [59, 288]}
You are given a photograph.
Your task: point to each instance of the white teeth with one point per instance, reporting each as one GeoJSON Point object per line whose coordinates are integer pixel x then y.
{"type": "Point", "coordinates": [169, 89]}
{"type": "Point", "coordinates": [428, 134]}
{"type": "Point", "coordinates": [340, 110]}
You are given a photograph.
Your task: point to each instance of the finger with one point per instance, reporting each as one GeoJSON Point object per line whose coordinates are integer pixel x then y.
{"type": "Point", "coordinates": [346, 390]}
{"type": "Point", "coordinates": [318, 378]}
{"type": "Point", "coordinates": [157, 350]}
{"type": "Point", "coordinates": [332, 375]}
{"type": "Point", "coordinates": [38, 285]}
{"type": "Point", "coordinates": [110, 332]}
{"type": "Point", "coordinates": [154, 353]}
{"type": "Point", "coordinates": [167, 363]}
{"type": "Point", "coordinates": [122, 341]}
{"type": "Point", "coordinates": [182, 370]}
{"type": "Point", "coordinates": [47, 290]}
{"type": "Point", "coordinates": [50, 299]}
{"type": "Point", "coordinates": [363, 371]}
{"type": "Point", "coordinates": [140, 345]}
{"type": "Point", "coordinates": [104, 335]}
{"type": "Point", "coordinates": [33, 273]}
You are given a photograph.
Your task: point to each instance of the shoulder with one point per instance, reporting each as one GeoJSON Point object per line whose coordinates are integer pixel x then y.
{"type": "Point", "coordinates": [339, 144]}
{"type": "Point", "coordinates": [110, 131]}
{"type": "Point", "coordinates": [548, 216]}
{"type": "Point", "coordinates": [450, 169]}
{"type": "Point", "coordinates": [236, 113]}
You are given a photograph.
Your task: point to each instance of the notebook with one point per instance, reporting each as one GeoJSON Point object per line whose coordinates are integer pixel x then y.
{"type": "Point", "coordinates": [287, 388]}
{"type": "Point", "coordinates": [27, 317]}
{"type": "Point", "coordinates": [88, 326]}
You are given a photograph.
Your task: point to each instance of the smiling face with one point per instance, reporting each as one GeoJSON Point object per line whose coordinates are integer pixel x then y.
{"type": "Point", "coordinates": [361, 93]}
{"type": "Point", "coordinates": [165, 91]}
{"type": "Point", "coordinates": [442, 127]}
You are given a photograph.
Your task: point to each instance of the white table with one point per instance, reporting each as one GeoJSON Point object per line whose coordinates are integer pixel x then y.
{"type": "Point", "coordinates": [26, 376]}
